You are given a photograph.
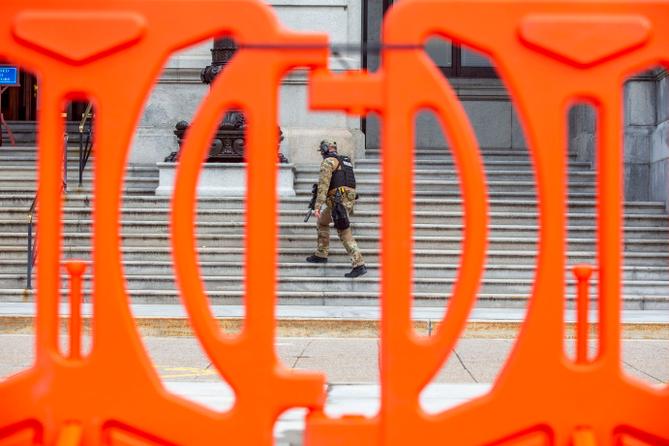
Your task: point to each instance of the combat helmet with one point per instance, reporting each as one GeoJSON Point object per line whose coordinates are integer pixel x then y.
{"type": "Point", "coordinates": [324, 146]}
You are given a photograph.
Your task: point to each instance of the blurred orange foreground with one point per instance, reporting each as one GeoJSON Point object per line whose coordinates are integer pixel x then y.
{"type": "Point", "coordinates": [548, 53]}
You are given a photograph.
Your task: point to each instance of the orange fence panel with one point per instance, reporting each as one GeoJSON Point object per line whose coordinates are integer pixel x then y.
{"type": "Point", "coordinates": [113, 396]}
{"type": "Point", "coordinates": [549, 54]}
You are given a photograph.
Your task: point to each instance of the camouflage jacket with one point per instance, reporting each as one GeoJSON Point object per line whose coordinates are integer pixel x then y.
{"type": "Point", "coordinates": [328, 166]}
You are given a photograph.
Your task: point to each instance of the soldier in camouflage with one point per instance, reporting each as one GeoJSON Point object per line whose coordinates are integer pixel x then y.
{"type": "Point", "coordinates": [336, 174]}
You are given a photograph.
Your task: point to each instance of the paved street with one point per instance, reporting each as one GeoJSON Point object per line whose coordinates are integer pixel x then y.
{"type": "Point", "coordinates": [351, 368]}
{"type": "Point", "coordinates": [348, 360]}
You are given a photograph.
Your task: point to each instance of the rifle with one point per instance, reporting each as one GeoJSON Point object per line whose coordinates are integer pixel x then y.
{"type": "Point", "coordinates": [312, 203]}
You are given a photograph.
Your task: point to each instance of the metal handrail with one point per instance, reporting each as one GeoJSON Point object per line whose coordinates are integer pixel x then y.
{"type": "Point", "coordinates": [86, 148]}
{"type": "Point", "coordinates": [32, 247]}
{"type": "Point", "coordinates": [66, 138]}
{"type": "Point", "coordinates": [32, 216]}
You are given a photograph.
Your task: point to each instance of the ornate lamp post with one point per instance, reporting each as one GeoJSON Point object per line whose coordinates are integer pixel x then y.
{"type": "Point", "coordinates": [230, 140]}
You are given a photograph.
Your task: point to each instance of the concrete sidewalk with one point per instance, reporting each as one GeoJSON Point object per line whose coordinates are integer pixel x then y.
{"type": "Point", "coordinates": [350, 366]}
{"type": "Point", "coordinates": [335, 312]}
{"type": "Point", "coordinates": [342, 399]}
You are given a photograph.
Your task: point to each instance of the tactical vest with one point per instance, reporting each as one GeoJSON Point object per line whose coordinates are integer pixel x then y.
{"type": "Point", "coordinates": [344, 175]}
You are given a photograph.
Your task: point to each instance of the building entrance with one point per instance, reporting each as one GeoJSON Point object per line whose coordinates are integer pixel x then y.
{"type": "Point", "coordinates": [20, 103]}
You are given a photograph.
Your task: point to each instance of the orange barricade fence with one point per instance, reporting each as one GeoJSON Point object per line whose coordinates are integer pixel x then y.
{"type": "Point", "coordinates": [549, 53]}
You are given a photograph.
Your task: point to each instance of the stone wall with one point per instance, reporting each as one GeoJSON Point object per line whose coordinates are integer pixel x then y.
{"type": "Point", "coordinates": [178, 92]}
{"type": "Point", "coordinates": [646, 136]}
{"type": "Point", "coordinates": [495, 121]}
{"type": "Point", "coordinates": [485, 100]}
{"type": "Point", "coordinates": [491, 114]}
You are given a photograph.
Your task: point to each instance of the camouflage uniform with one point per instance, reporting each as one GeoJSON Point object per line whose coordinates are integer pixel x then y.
{"type": "Point", "coordinates": [328, 166]}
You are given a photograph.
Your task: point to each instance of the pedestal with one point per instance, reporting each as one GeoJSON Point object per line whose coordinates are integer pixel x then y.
{"type": "Point", "coordinates": [224, 180]}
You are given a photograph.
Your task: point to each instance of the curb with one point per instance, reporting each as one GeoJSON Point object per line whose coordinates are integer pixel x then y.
{"type": "Point", "coordinates": [341, 328]}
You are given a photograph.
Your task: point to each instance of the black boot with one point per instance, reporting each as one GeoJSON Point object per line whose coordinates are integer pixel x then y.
{"type": "Point", "coordinates": [357, 271]}
{"type": "Point", "coordinates": [313, 258]}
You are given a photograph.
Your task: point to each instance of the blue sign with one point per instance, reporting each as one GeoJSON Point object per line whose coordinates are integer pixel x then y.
{"type": "Point", "coordinates": [9, 75]}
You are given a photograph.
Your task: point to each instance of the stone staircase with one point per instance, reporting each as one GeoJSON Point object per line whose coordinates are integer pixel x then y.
{"type": "Point", "coordinates": [25, 132]}
{"type": "Point", "coordinates": [511, 256]}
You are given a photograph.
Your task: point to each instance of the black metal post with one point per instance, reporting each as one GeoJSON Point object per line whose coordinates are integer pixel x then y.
{"type": "Point", "coordinates": [65, 138]}
{"type": "Point", "coordinates": [363, 36]}
{"type": "Point", "coordinates": [363, 57]}
{"type": "Point", "coordinates": [29, 273]}
{"type": "Point", "coordinates": [81, 157]}
{"type": "Point", "coordinates": [221, 54]}
{"type": "Point", "coordinates": [230, 140]}
{"type": "Point", "coordinates": [85, 127]}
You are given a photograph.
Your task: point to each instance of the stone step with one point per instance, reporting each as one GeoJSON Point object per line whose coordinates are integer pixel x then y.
{"type": "Point", "coordinates": [298, 254]}
{"type": "Point", "coordinates": [443, 217]}
{"type": "Point", "coordinates": [496, 154]}
{"type": "Point", "coordinates": [12, 183]}
{"type": "Point", "coordinates": [436, 183]}
{"type": "Point", "coordinates": [30, 172]}
{"type": "Point", "coordinates": [450, 174]}
{"type": "Point", "coordinates": [433, 255]}
{"type": "Point", "coordinates": [490, 164]}
{"type": "Point", "coordinates": [13, 194]}
{"type": "Point", "coordinates": [24, 171]}
{"type": "Point", "coordinates": [23, 161]}
{"type": "Point", "coordinates": [144, 188]}
{"type": "Point", "coordinates": [28, 156]}
{"type": "Point", "coordinates": [16, 203]}
{"type": "Point", "coordinates": [435, 158]}
{"type": "Point", "coordinates": [32, 149]}
{"type": "Point", "coordinates": [352, 289]}
{"type": "Point", "coordinates": [370, 153]}
{"type": "Point", "coordinates": [160, 207]}
{"type": "Point", "coordinates": [337, 268]}
{"type": "Point", "coordinates": [214, 226]}
{"type": "Point", "coordinates": [365, 241]}
{"type": "Point", "coordinates": [26, 138]}
{"type": "Point", "coordinates": [364, 167]}
{"type": "Point", "coordinates": [439, 187]}
{"type": "Point", "coordinates": [454, 192]}
{"type": "Point", "coordinates": [344, 299]}
{"type": "Point", "coordinates": [365, 284]}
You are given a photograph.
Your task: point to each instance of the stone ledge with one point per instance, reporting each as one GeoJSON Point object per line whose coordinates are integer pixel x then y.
{"type": "Point", "coordinates": [224, 180]}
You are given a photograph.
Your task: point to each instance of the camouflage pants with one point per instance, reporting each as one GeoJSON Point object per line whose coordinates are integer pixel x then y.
{"type": "Point", "coordinates": [346, 235]}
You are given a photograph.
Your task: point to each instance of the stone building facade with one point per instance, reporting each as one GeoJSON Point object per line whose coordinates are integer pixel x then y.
{"type": "Point", "coordinates": [352, 22]}
{"type": "Point", "coordinates": [179, 90]}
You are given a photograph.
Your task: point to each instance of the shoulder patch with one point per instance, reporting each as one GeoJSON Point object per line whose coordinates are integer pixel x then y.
{"type": "Point", "coordinates": [330, 161]}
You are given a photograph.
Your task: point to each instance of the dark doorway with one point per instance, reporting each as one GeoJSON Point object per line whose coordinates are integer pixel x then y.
{"type": "Point", "coordinates": [20, 103]}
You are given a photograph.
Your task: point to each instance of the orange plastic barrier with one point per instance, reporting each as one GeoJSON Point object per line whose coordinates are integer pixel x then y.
{"type": "Point", "coordinates": [548, 53]}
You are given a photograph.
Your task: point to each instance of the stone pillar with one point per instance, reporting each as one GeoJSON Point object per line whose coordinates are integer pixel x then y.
{"type": "Point", "coordinates": [646, 136]}
{"type": "Point", "coordinates": [582, 131]}
{"type": "Point", "coordinates": [659, 158]}
{"type": "Point", "coordinates": [640, 122]}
